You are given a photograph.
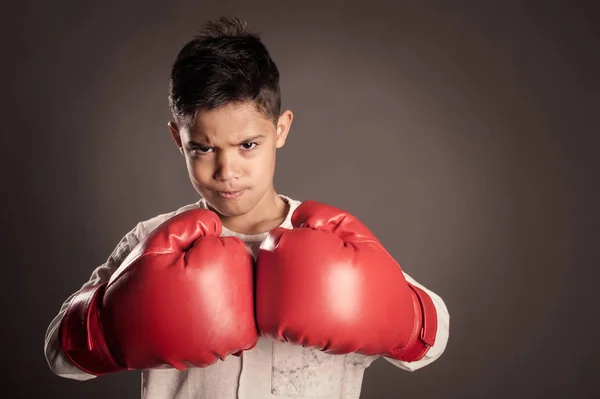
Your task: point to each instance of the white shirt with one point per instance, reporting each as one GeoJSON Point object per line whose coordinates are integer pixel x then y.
{"type": "Point", "coordinates": [271, 370]}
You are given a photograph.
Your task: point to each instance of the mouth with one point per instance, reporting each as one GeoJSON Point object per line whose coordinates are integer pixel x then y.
{"type": "Point", "coordinates": [230, 194]}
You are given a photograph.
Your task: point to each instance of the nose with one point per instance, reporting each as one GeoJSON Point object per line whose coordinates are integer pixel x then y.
{"type": "Point", "coordinates": [226, 168]}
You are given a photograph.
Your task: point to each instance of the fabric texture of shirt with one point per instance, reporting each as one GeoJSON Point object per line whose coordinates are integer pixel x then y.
{"type": "Point", "coordinates": [270, 370]}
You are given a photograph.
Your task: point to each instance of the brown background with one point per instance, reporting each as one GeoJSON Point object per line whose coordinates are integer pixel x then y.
{"type": "Point", "coordinates": [465, 134]}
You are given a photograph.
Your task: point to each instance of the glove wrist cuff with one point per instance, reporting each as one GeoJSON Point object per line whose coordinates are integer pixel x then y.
{"type": "Point", "coordinates": [81, 336]}
{"type": "Point", "coordinates": [425, 327]}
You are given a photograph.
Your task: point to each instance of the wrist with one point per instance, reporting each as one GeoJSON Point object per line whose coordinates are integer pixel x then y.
{"type": "Point", "coordinates": [424, 328]}
{"type": "Point", "coordinates": [81, 334]}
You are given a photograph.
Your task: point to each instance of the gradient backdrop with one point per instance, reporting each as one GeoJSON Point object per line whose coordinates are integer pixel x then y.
{"type": "Point", "coordinates": [464, 134]}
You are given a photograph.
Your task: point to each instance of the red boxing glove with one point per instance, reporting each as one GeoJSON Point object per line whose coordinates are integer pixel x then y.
{"type": "Point", "coordinates": [328, 283]}
{"type": "Point", "coordinates": [183, 297]}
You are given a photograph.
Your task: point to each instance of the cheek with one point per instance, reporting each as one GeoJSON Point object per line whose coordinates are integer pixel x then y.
{"type": "Point", "coordinates": [265, 165]}
{"type": "Point", "coordinates": [199, 171]}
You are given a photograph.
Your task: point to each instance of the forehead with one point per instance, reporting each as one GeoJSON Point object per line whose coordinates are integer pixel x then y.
{"type": "Point", "coordinates": [229, 122]}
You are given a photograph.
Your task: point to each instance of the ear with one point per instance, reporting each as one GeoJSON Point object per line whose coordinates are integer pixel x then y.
{"type": "Point", "coordinates": [174, 129]}
{"type": "Point", "coordinates": [284, 123]}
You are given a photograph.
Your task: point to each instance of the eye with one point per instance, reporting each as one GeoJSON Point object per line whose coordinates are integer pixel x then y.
{"type": "Point", "coordinates": [202, 150]}
{"type": "Point", "coordinates": [249, 146]}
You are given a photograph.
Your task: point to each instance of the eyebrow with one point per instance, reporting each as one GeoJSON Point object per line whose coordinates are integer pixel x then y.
{"type": "Point", "coordinates": [246, 140]}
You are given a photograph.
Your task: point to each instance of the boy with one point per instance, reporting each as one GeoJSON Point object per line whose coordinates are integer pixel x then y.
{"type": "Point", "coordinates": [246, 293]}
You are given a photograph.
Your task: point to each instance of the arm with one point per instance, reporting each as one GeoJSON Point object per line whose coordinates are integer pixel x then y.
{"type": "Point", "coordinates": [360, 300]}
{"type": "Point", "coordinates": [105, 326]}
{"type": "Point", "coordinates": [441, 336]}
{"type": "Point", "coordinates": [58, 362]}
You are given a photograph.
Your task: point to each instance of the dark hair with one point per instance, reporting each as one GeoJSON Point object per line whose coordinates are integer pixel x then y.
{"type": "Point", "coordinates": [224, 63]}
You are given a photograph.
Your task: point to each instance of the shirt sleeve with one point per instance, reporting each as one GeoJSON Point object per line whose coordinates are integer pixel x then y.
{"type": "Point", "coordinates": [58, 362]}
{"type": "Point", "coordinates": [441, 336]}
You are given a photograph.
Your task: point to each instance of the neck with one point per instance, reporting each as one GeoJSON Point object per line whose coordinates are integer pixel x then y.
{"type": "Point", "coordinates": [269, 212]}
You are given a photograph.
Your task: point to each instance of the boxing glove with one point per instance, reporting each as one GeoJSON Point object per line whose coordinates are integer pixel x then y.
{"type": "Point", "coordinates": [183, 297]}
{"type": "Point", "coordinates": [328, 283]}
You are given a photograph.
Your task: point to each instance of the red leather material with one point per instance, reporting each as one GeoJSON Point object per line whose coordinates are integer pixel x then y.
{"type": "Point", "coordinates": [183, 297]}
{"type": "Point", "coordinates": [81, 336]}
{"type": "Point", "coordinates": [424, 328]}
{"type": "Point", "coordinates": [328, 283]}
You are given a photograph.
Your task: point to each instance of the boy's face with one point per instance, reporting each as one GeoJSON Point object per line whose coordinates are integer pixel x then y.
{"type": "Point", "coordinates": [230, 155]}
